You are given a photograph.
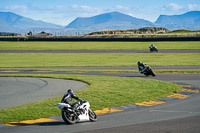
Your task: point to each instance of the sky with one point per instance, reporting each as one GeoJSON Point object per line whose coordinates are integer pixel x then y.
{"type": "Point", "coordinates": [62, 12]}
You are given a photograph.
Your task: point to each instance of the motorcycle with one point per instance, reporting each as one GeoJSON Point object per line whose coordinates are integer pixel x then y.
{"type": "Point", "coordinates": [148, 71]}
{"type": "Point", "coordinates": [153, 48]}
{"type": "Point", "coordinates": [77, 112]}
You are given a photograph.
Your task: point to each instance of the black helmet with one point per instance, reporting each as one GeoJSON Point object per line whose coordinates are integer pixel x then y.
{"type": "Point", "coordinates": [138, 62]}
{"type": "Point", "coordinates": [69, 90]}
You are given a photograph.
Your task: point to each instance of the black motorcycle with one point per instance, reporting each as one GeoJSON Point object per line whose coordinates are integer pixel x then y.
{"type": "Point", "coordinates": [153, 50]}
{"type": "Point", "coordinates": [147, 71]}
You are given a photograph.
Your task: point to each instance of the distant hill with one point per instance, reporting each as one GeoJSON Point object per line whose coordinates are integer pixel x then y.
{"type": "Point", "coordinates": [11, 22]}
{"type": "Point", "coordinates": [145, 30]}
{"type": "Point", "coordinates": [189, 20]}
{"type": "Point", "coordinates": [112, 20]}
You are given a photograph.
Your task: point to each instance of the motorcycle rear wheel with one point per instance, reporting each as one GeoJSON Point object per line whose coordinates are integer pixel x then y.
{"type": "Point", "coordinates": [67, 118]}
{"type": "Point", "coordinates": [92, 115]}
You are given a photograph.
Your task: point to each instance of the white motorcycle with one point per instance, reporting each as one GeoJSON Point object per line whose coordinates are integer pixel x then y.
{"type": "Point", "coordinates": [77, 112]}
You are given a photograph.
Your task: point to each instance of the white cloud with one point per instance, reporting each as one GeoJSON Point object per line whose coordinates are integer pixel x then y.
{"type": "Point", "coordinates": [16, 8]}
{"type": "Point", "coordinates": [193, 7]}
{"type": "Point", "coordinates": [86, 8]}
{"type": "Point", "coordinates": [173, 9]}
{"type": "Point", "coordinates": [75, 6]}
{"type": "Point", "coordinates": [119, 7]}
{"type": "Point", "coordinates": [175, 6]}
{"type": "Point", "coordinates": [122, 9]}
{"type": "Point", "coordinates": [83, 10]}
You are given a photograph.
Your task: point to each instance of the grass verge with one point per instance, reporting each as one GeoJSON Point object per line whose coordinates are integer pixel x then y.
{"type": "Point", "coordinates": [6, 45]}
{"type": "Point", "coordinates": [104, 91]}
{"type": "Point", "coordinates": [96, 59]}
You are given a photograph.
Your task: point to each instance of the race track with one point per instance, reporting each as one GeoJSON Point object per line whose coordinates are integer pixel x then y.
{"type": "Point", "coordinates": [175, 116]}
{"type": "Point", "coordinates": [154, 119]}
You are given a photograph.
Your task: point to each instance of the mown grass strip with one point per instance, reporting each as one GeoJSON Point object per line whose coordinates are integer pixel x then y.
{"type": "Point", "coordinates": [6, 45]}
{"type": "Point", "coordinates": [96, 59]}
{"type": "Point", "coordinates": [103, 92]}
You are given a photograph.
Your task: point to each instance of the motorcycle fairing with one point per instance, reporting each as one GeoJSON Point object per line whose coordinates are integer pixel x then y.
{"type": "Point", "coordinates": [63, 105]}
{"type": "Point", "coordinates": [84, 116]}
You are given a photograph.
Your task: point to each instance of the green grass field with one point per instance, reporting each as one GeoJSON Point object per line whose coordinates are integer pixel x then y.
{"type": "Point", "coordinates": [96, 45]}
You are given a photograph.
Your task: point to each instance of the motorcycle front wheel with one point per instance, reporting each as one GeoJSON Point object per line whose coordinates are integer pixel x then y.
{"type": "Point", "coordinates": [92, 115]}
{"type": "Point", "coordinates": [152, 73]}
{"type": "Point", "coordinates": [68, 118]}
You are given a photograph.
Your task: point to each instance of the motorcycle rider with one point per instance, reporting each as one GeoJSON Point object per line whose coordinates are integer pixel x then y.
{"type": "Point", "coordinates": [73, 112]}
{"type": "Point", "coordinates": [142, 66]}
{"type": "Point", "coordinates": [68, 99]}
{"type": "Point", "coordinates": [152, 48]}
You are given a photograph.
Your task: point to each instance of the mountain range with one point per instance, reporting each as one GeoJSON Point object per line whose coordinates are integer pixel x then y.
{"type": "Point", "coordinates": [11, 22]}
{"type": "Point", "coordinates": [189, 20]}
{"type": "Point", "coordinates": [113, 20]}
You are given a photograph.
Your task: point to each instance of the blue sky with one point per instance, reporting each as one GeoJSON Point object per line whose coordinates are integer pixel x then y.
{"type": "Point", "coordinates": [62, 12]}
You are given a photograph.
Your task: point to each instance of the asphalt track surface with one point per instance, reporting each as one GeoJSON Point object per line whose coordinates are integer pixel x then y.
{"type": "Point", "coordinates": [19, 90]}
{"type": "Point", "coordinates": [177, 116]}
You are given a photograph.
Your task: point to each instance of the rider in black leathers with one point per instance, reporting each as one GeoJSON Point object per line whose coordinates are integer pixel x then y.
{"type": "Point", "coordinates": [142, 66]}
{"type": "Point", "coordinates": [67, 98]}
{"type": "Point", "coordinates": [153, 48]}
